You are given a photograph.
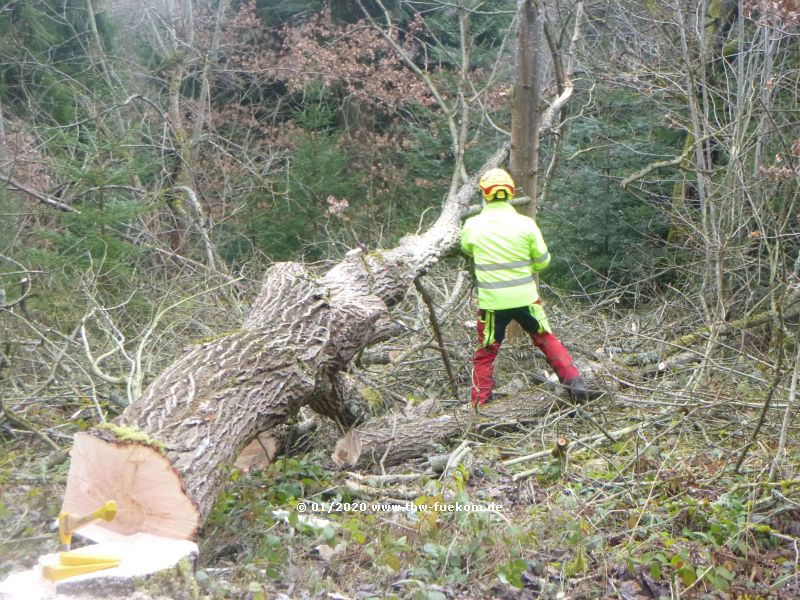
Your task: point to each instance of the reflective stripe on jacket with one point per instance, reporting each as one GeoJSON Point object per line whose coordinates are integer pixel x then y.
{"type": "Point", "coordinates": [508, 249]}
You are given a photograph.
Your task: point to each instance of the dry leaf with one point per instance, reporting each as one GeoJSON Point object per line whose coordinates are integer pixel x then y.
{"type": "Point", "coordinates": [326, 552]}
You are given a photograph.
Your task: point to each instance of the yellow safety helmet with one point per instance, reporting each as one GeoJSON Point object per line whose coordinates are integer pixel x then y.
{"type": "Point", "coordinates": [494, 181]}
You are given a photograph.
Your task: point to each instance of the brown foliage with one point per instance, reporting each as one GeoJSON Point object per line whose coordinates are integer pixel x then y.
{"type": "Point", "coordinates": [354, 57]}
{"type": "Point", "coordinates": [359, 69]}
{"type": "Point", "coordinates": [784, 10]}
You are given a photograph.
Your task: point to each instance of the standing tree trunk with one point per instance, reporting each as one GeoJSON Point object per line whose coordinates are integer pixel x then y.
{"type": "Point", "coordinates": [178, 439]}
{"type": "Point", "coordinates": [4, 164]}
{"type": "Point", "coordinates": [525, 107]}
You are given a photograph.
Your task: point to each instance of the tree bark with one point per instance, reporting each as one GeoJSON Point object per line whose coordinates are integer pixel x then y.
{"type": "Point", "coordinates": [301, 331]}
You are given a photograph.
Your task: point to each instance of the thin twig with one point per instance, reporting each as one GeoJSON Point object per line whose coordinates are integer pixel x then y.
{"type": "Point", "coordinates": [763, 416]}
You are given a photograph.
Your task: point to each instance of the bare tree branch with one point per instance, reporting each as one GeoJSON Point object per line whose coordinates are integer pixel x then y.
{"type": "Point", "coordinates": [43, 198]}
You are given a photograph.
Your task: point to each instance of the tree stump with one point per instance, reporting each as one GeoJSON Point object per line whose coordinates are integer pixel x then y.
{"type": "Point", "coordinates": [150, 567]}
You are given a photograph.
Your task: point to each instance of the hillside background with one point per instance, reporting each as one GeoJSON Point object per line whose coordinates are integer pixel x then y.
{"type": "Point", "coordinates": [156, 157]}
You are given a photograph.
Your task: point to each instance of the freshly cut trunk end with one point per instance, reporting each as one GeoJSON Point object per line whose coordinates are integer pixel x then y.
{"type": "Point", "coordinates": [139, 478]}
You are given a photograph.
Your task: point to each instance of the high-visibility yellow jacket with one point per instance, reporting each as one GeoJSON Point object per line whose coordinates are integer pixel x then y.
{"type": "Point", "coordinates": [508, 249]}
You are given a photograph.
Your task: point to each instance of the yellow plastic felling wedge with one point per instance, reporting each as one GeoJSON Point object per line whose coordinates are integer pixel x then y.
{"type": "Point", "coordinates": [59, 572]}
{"type": "Point", "coordinates": [75, 558]}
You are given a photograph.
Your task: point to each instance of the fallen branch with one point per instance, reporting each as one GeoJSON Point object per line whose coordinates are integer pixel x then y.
{"type": "Point", "coordinates": [590, 439]}
{"type": "Point", "coordinates": [683, 342]}
{"type": "Point", "coordinates": [456, 458]}
{"type": "Point", "coordinates": [378, 480]}
{"type": "Point", "coordinates": [437, 332]}
{"type": "Point", "coordinates": [672, 363]}
{"type": "Point", "coordinates": [15, 419]}
{"type": "Point", "coordinates": [43, 198]}
{"type": "Point", "coordinates": [361, 490]}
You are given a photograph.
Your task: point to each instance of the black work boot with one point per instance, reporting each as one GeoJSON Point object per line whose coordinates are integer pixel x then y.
{"type": "Point", "coordinates": [576, 389]}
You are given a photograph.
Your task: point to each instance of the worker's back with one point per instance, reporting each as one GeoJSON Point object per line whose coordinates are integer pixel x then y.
{"type": "Point", "coordinates": [507, 248]}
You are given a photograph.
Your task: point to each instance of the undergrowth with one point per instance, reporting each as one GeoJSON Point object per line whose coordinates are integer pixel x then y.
{"type": "Point", "coordinates": [668, 520]}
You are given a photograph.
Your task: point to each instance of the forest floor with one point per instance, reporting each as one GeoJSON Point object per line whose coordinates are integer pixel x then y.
{"type": "Point", "coordinates": [647, 502]}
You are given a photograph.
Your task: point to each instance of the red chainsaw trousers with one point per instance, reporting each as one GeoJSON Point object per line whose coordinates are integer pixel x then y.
{"type": "Point", "coordinates": [492, 326]}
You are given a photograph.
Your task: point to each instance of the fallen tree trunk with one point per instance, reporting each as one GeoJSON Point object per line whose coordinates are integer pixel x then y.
{"type": "Point", "coordinates": [166, 463]}
{"type": "Point", "coordinates": [395, 439]}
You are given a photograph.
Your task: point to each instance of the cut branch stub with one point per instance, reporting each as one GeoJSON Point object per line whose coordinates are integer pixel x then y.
{"type": "Point", "coordinates": [560, 450]}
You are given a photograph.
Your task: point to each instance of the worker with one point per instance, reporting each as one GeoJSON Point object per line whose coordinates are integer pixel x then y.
{"type": "Point", "coordinates": [507, 248]}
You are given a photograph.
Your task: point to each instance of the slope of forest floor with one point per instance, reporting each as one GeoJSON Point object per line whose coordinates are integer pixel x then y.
{"type": "Point", "coordinates": [647, 502]}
